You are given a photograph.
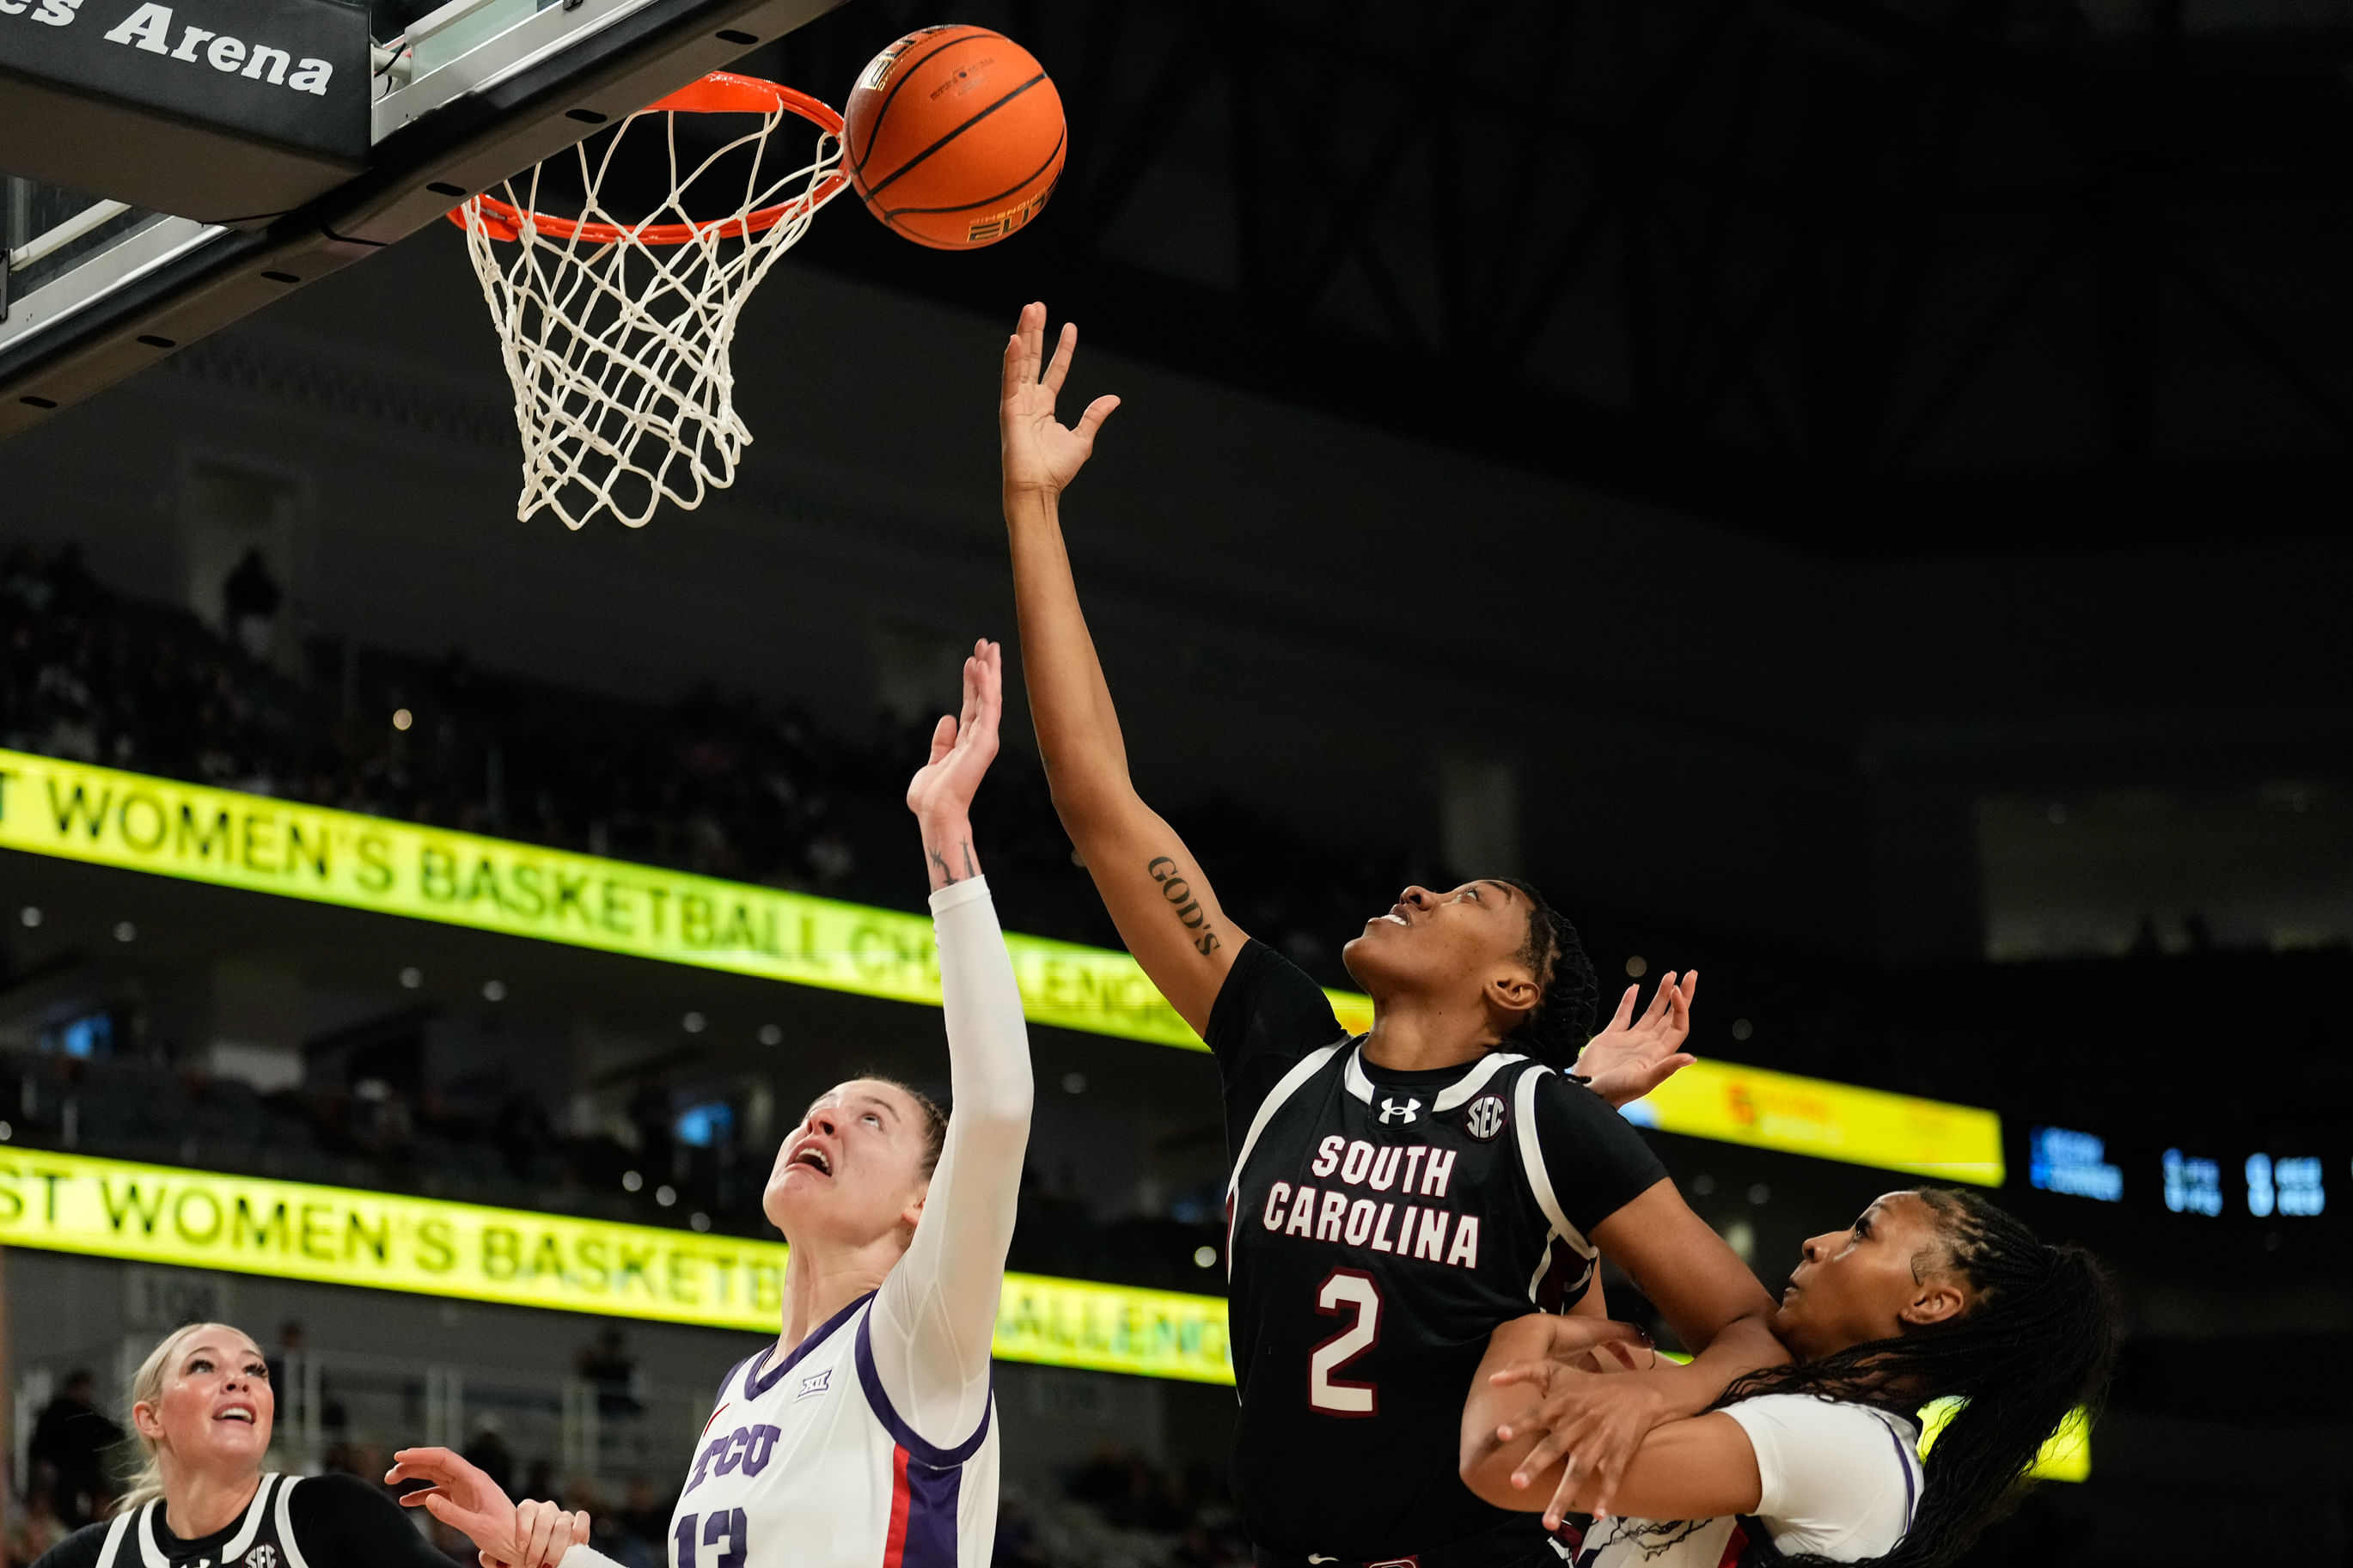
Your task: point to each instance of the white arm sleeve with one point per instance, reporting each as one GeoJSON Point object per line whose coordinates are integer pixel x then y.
{"type": "Point", "coordinates": [584, 1557]}
{"type": "Point", "coordinates": [936, 1316]}
{"type": "Point", "coordinates": [1840, 1481]}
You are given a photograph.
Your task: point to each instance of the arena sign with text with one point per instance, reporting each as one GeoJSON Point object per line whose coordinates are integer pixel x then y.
{"type": "Point", "coordinates": [237, 840]}
{"type": "Point", "coordinates": [1766, 1110]}
{"type": "Point", "coordinates": [338, 1236]}
{"type": "Point", "coordinates": [231, 839]}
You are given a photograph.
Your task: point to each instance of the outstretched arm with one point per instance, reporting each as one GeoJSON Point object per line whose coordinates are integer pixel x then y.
{"type": "Point", "coordinates": [1702, 1467]}
{"type": "Point", "coordinates": [1165, 908]}
{"type": "Point", "coordinates": [463, 1496]}
{"type": "Point", "coordinates": [1586, 1429]}
{"type": "Point", "coordinates": [936, 1319]}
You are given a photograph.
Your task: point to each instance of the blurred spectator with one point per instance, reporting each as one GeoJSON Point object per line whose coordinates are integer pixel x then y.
{"type": "Point", "coordinates": [642, 1528]}
{"type": "Point", "coordinates": [539, 1483]}
{"type": "Point", "coordinates": [488, 1453]}
{"type": "Point", "coordinates": [249, 601]}
{"type": "Point", "coordinates": [1016, 1544]}
{"type": "Point", "coordinates": [35, 1526]}
{"type": "Point", "coordinates": [606, 1363]}
{"type": "Point", "coordinates": [286, 1366]}
{"type": "Point", "coordinates": [72, 1436]}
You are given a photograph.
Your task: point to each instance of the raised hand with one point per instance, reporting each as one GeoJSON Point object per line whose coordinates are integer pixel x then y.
{"type": "Point", "coordinates": [1630, 1057]}
{"type": "Point", "coordinates": [1040, 452]}
{"type": "Point", "coordinates": [461, 1497]}
{"type": "Point", "coordinates": [962, 748]}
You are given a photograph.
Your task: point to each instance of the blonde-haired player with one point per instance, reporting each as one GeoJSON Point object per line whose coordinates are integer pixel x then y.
{"type": "Point", "coordinates": [202, 1409]}
{"type": "Point", "coordinates": [864, 1437]}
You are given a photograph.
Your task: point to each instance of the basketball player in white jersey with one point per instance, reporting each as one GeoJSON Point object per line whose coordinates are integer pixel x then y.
{"type": "Point", "coordinates": [864, 1438]}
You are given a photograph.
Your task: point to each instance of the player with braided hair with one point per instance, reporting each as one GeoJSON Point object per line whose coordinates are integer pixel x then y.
{"type": "Point", "coordinates": [1395, 1196]}
{"type": "Point", "coordinates": [1932, 1295]}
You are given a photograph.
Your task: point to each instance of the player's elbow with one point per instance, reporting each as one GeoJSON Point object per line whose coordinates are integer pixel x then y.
{"type": "Point", "coordinates": [1486, 1468]}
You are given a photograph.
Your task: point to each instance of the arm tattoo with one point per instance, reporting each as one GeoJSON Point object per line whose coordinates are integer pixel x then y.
{"type": "Point", "coordinates": [1187, 909]}
{"type": "Point", "coordinates": [943, 875]}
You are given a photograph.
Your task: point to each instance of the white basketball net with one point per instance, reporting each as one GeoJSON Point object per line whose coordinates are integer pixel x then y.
{"type": "Point", "coordinates": [617, 335]}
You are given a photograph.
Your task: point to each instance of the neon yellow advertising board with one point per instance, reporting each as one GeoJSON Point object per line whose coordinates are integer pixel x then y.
{"type": "Point", "coordinates": [1734, 1104]}
{"type": "Point", "coordinates": [231, 839]}
{"type": "Point", "coordinates": [339, 1235]}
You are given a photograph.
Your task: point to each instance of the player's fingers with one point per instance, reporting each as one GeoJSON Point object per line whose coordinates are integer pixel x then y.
{"type": "Point", "coordinates": [1691, 987]}
{"type": "Point", "coordinates": [581, 1528]}
{"type": "Point", "coordinates": [551, 1535]}
{"type": "Point", "coordinates": [1563, 1499]}
{"type": "Point", "coordinates": [1066, 348]}
{"type": "Point", "coordinates": [1092, 419]}
{"type": "Point", "coordinates": [443, 1508]}
{"type": "Point", "coordinates": [1625, 1013]}
{"type": "Point", "coordinates": [1661, 999]}
{"type": "Point", "coordinates": [1033, 341]}
{"type": "Point", "coordinates": [1547, 1452]}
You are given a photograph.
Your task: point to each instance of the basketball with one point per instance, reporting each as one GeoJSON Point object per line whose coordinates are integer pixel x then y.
{"type": "Point", "coordinates": [954, 137]}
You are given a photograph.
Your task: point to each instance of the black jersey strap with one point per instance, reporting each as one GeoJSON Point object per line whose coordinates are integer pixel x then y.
{"type": "Point", "coordinates": [112, 1548]}
{"type": "Point", "coordinates": [255, 1512]}
{"type": "Point", "coordinates": [288, 1547]}
{"type": "Point", "coordinates": [1532, 1163]}
{"type": "Point", "coordinates": [1307, 1067]}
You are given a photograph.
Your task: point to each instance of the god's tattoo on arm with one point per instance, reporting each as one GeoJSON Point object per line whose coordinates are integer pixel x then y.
{"type": "Point", "coordinates": [1189, 911]}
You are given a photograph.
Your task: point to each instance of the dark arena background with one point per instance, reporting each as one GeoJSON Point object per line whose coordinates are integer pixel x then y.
{"type": "Point", "coordinates": [1849, 495]}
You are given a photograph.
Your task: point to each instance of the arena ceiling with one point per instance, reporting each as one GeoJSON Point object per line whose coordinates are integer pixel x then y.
{"type": "Point", "coordinates": [1886, 276]}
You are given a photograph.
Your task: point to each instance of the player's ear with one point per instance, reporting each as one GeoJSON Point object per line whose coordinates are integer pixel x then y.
{"type": "Point", "coordinates": [147, 1421]}
{"type": "Point", "coordinates": [914, 1211]}
{"type": "Point", "coordinates": [1513, 993]}
{"type": "Point", "coordinates": [1939, 1300]}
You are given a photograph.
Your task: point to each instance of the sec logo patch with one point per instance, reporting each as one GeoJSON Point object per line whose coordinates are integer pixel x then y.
{"type": "Point", "coordinates": [1485, 1117]}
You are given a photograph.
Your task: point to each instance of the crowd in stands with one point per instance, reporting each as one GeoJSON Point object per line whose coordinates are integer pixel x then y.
{"type": "Point", "coordinates": [728, 785]}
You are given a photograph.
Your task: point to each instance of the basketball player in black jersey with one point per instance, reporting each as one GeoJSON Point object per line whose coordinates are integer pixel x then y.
{"type": "Point", "coordinates": [1394, 1198]}
{"type": "Point", "coordinates": [202, 1409]}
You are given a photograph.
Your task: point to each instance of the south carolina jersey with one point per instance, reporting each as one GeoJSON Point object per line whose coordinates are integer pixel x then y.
{"type": "Point", "coordinates": [1380, 1225]}
{"type": "Point", "coordinates": [805, 1462]}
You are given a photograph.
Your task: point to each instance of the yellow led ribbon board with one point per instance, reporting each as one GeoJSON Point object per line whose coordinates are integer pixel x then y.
{"type": "Point", "coordinates": [1829, 1120]}
{"type": "Point", "coordinates": [338, 1236]}
{"type": "Point", "coordinates": [230, 839]}
{"type": "Point", "coordinates": [2066, 1455]}
{"type": "Point", "coordinates": [261, 845]}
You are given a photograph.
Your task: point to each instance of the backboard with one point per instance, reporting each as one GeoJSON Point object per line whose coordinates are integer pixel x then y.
{"type": "Point", "coordinates": [94, 289]}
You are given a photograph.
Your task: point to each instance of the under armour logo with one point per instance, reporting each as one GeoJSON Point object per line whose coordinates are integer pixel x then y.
{"type": "Point", "coordinates": [1392, 1111]}
{"type": "Point", "coordinates": [815, 1382]}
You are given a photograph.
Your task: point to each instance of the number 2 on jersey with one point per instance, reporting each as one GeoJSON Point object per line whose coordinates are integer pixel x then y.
{"type": "Point", "coordinates": [1343, 1290]}
{"type": "Point", "coordinates": [721, 1526]}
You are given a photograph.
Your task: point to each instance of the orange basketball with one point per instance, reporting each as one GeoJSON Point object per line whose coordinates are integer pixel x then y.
{"type": "Point", "coordinates": [954, 137]}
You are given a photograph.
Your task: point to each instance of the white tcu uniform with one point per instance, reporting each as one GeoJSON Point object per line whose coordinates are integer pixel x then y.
{"type": "Point", "coordinates": [874, 1443]}
{"type": "Point", "coordinates": [806, 1461]}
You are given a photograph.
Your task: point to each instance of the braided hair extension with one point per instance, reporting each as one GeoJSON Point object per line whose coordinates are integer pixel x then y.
{"type": "Point", "coordinates": [1560, 1023]}
{"type": "Point", "coordinates": [2039, 1341]}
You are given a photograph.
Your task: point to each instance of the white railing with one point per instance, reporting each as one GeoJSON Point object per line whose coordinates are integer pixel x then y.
{"type": "Point", "coordinates": [371, 1404]}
